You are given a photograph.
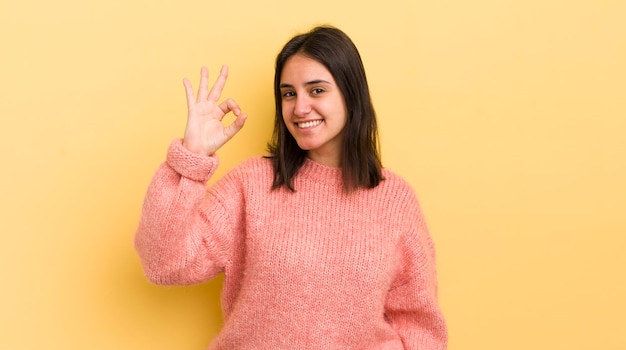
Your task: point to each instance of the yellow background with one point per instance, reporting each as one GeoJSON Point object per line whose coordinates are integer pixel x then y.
{"type": "Point", "coordinates": [508, 117]}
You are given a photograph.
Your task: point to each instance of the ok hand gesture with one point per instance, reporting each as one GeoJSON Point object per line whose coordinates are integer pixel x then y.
{"type": "Point", "coordinates": [204, 132]}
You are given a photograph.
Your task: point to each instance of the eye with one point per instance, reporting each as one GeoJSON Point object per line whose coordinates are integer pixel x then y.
{"type": "Point", "coordinates": [317, 91]}
{"type": "Point", "coordinates": [287, 94]}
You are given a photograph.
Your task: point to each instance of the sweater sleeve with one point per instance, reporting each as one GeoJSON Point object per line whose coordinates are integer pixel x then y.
{"type": "Point", "coordinates": [412, 306]}
{"type": "Point", "coordinates": [182, 236]}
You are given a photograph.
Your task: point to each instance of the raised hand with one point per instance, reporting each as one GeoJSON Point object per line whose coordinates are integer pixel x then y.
{"type": "Point", "coordinates": [205, 132]}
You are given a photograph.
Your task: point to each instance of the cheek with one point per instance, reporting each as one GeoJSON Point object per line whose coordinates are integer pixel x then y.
{"type": "Point", "coordinates": [286, 110]}
{"type": "Point", "coordinates": [342, 115]}
{"type": "Point", "coordinates": [286, 121]}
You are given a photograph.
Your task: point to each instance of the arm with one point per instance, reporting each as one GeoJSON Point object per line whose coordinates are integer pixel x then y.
{"type": "Point", "coordinates": [177, 241]}
{"type": "Point", "coordinates": [412, 306]}
{"type": "Point", "coordinates": [181, 238]}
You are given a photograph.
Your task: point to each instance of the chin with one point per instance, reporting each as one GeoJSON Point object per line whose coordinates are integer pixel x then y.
{"type": "Point", "coordinates": [306, 146]}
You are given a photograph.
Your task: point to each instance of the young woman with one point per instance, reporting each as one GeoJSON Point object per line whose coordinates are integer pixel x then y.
{"type": "Point", "coordinates": [321, 248]}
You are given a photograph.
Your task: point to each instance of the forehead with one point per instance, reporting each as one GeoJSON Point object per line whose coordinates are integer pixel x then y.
{"type": "Point", "coordinates": [300, 69]}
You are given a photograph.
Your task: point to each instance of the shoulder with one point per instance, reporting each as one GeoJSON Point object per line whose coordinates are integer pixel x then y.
{"type": "Point", "coordinates": [393, 178]}
{"type": "Point", "coordinates": [398, 199]}
{"type": "Point", "coordinates": [255, 171]}
{"type": "Point", "coordinates": [397, 187]}
{"type": "Point", "coordinates": [253, 165]}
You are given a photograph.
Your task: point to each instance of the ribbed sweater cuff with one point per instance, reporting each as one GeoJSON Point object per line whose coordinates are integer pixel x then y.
{"type": "Point", "coordinates": [197, 167]}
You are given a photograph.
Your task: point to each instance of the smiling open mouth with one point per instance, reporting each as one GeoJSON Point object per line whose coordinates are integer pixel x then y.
{"type": "Point", "coordinates": [309, 124]}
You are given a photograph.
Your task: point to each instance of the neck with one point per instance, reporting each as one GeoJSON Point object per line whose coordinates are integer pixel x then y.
{"type": "Point", "coordinates": [332, 160]}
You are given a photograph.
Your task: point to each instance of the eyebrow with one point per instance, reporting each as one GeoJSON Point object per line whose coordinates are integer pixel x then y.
{"type": "Point", "coordinates": [312, 82]}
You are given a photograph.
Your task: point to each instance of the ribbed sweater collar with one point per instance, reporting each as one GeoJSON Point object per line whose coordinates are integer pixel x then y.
{"type": "Point", "coordinates": [313, 171]}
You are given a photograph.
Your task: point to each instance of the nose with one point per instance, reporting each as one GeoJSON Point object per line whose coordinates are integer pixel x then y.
{"type": "Point", "coordinates": [302, 106]}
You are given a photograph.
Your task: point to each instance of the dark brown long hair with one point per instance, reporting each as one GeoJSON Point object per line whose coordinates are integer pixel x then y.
{"type": "Point", "coordinates": [360, 158]}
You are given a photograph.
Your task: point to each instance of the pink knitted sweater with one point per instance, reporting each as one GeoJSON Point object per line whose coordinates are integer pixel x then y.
{"type": "Point", "coordinates": [314, 269]}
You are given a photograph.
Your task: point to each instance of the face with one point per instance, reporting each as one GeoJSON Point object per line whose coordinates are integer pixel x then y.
{"type": "Point", "coordinates": [313, 107]}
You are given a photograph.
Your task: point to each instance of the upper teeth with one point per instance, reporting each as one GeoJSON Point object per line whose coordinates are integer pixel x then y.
{"type": "Point", "coordinates": [309, 124]}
